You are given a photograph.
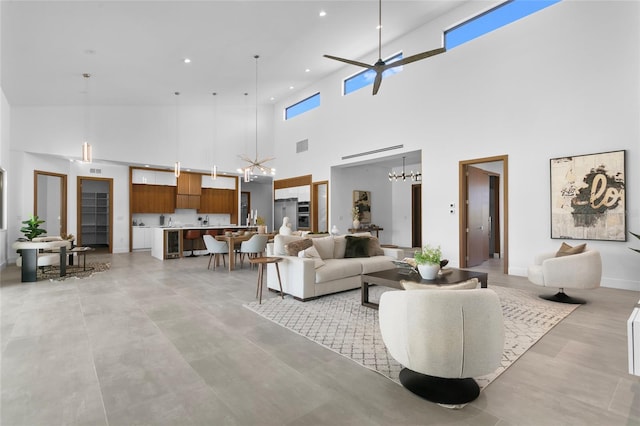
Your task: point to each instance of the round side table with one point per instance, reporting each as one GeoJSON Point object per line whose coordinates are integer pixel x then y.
{"type": "Point", "coordinates": [262, 262]}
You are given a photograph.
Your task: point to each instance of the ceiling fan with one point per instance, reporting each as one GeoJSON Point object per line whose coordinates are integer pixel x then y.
{"type": "Point", "coordinates": [380, 66]}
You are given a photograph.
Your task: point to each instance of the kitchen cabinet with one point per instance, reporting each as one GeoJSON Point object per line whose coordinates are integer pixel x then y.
{"type": "Point", "coordinates": [153, 198]}
{"type": "Point", "coordinates": [215, 200]}
{"type": "Point", "coordinates": [142, 238]}
{"type": "Point", "coordinates": [189, 184]}
{"type": "Point", "coordinates": [152, 177]}
{"type": "Point", "coordinates": [187, 201]}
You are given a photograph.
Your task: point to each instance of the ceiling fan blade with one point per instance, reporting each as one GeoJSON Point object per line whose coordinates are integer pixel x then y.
{"type": "Point", "coordinates": [349, 61]}
{"type": "Point", "coordinates": [414, 58]}
{"type": "Point", "coordinates": [264, 160]}
{"type": "Point", "coordinates": [377, 81]}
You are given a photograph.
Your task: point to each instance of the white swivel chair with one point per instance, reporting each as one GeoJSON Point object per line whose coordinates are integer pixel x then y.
{"type": "Point", "coordinates": [215, 248]}
{"type": "Point", "coordinates": [443, 338]}
{"type": "Point", "coordinates": [579, 271]}
{"type": "Point", "coordinates": [253, 247]}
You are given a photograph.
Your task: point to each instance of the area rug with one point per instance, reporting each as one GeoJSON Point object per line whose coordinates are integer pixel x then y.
{"type": "Point", "coordinates": [73, 271]}
{"type": "Point", "coordinates": [340, 323]}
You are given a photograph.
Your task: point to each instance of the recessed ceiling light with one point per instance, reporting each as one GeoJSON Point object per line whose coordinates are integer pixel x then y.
{"type": "Point", "coordinates": [322, 13]}
{"type": "Point", "coordinates": [146, 165]}
{"type": "Point", "coordinates": [187, 60]}
{"type": "Point", "coordinates": [307, 70]}
{"type": "Point", "coordinates": [291, 87]}
{"type": "Point", "coordinates": [90, 52]}
{"type": "Point", "coordinates": [273, 98]}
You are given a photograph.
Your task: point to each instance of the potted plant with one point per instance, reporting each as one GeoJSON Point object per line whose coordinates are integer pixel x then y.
{"type": "Point", "coordinates": [428, 260]}
{"type": "Point", "coordinates": [32, 228]}
{"type": "Point", "coordinates": [262, 228]}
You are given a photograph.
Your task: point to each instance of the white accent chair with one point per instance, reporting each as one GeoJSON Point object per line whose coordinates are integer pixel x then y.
{"type": "Point", "coordinates": [443, 338]}
{"type": "Point", "coordinates": [253, 247]}
{"type": "Point", "coordinates": [579, 271]}
{"type": "Point", "coordinates": [216, 249]}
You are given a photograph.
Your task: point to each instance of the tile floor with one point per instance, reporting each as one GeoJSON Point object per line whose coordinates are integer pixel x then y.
{"type": "Point", "coordinates": [169, 343]}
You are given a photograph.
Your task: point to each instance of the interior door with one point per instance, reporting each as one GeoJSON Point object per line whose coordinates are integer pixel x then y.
{"type": "Point", "coordinates": [416, 215]}
{"type": "Point", "coordinates": [95, 213]}
{"type": "Point", "coordinates": [478, 187]}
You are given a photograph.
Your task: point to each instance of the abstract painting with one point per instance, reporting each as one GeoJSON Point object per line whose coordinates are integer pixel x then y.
{"type": "Point", "coordinates": [362, 200]}
{"type": "Point", "coordinates": [588, 197]}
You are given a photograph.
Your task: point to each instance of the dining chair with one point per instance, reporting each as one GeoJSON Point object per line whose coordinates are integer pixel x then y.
{"type": "Point", "coordinates": [215, 248]}
{"type": "Point", "coordinates": [253, 247]}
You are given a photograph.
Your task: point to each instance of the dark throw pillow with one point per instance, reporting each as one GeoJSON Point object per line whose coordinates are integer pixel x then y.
{"type": "Point", "coordinates": [567, 250]}
{"type": "Point", "coordinates": [294, 247]}
{"type": "Point", "coordinates": [357, 247]}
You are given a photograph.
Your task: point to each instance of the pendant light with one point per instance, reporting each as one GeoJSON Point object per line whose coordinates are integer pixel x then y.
{"type": "Point", "coordinates": [255, 164]}
{"type": "Point", "coordinates": [176, 166]}
{"type": "Point", "coordinates": [87, 156]}
{"type": "Point", "coordinates": [214, 168]}
{"type": "Point", "coordinates": [415, 176]}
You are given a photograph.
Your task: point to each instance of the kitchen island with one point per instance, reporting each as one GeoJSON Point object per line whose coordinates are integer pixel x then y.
{"type": "Point", "coordinates": [168, 242]}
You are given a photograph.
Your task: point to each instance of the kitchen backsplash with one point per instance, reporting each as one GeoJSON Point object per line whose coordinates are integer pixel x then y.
{"type": "Point", "coordinates": [181, 217]}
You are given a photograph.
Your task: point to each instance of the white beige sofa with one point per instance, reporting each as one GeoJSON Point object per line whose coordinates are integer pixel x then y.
{"type": "Point", "coordinates": [309, 277]}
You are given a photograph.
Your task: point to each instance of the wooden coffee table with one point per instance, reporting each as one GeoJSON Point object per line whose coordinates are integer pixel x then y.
{"type": "Point", "coordinates": [392, 277]}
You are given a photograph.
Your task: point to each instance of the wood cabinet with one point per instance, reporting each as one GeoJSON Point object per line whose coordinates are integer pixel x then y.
{"type": "Point", "coordinates": [190, 184]}
{"type": "Point", "coordinates": [215, 200]}
{"type": "Point", "coordinates": [187, 201]}
{"type": "Point", "coordinates": [153, 198]}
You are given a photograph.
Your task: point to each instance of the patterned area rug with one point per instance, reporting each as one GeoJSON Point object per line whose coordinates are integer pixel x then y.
{"type": "Point", "coordinates": [75, 271]}
{"type": "Point", "coordinates": [340, 323]}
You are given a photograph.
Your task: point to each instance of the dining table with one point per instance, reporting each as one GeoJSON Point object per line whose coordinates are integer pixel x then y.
{"type": "Point", "coordinates": [232, 240]}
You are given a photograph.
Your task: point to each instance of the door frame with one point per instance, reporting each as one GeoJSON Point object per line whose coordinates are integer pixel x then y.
{"type": "Point", "coordinates": [63, 196]}
{"type": "Point", "coordinates": [79, 207]}
{"type": "Point", "coordinates": [462, 202]}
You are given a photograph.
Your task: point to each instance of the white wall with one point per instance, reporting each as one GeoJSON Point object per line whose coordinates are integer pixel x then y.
{"type": "Point", "coordinates": [364, 178]}
{"type": "Point", "coordinates": [533, 90]}
{"type": "Point", "coordinates": [563, 81]}
{"type": "Point", "coordinates": [5, 166]}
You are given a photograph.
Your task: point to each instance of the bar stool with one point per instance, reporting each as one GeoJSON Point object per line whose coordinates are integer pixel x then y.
{"type": "Point", "coordinates": [192, 235]}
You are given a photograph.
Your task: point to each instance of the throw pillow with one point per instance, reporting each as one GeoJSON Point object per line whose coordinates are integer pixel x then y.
{"type": "Point", "coordinates": [567, 250]}
{"type": "Point", "coordinates": [294, 247]}
{"type": "Point", "coordinates": [340, 245]}
{"type": "Point", "coordinates": [312, 253]}
{"type": "Point", "coordinates": [356, 247]}
{"type": "Point", "coordinates": [324, 246]}
{"type": "Point", "coordinates": [374, 247]}
{"type": "Point", "coordinates": [279, 241]}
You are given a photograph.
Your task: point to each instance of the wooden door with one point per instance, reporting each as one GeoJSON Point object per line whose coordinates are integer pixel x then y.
{"type": "Point", "coordinates": [416, 215]}
{"type": "Point", "coordinates": [477, 216]}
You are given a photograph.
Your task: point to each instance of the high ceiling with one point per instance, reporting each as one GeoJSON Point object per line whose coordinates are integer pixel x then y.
{"type": "Point", "coordinates": [134, 50]}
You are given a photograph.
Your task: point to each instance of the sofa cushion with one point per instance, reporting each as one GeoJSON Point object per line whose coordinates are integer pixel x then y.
{"type": "Point", "coordinates": [356, 247]}
{"type": "Point", "coordinates": [312, 253]}
{"type": "Point", "coordinates": [279, 242]}
{"type": "Point", "coordinates": [340, 245]}
{"type": "Point", "coordinates": [336, 269]}
{"type": "Point", "coordinates": [294, 247]}
{"type": "Point", "coordinates": [567, 250]}
{"type": "Point", "coordinates": [376, 263]}
{"type": "Point", "coordinates": [324, 245]}
{"type": "Point", "coordinates": [374, 247]}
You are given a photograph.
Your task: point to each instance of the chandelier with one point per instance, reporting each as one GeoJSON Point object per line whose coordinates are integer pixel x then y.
{"type": "Point", "coordinates": [414, 176]}
{"type": "Point", "coordinates": [256, 166]}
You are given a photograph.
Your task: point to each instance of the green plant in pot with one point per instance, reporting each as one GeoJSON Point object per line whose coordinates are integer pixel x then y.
{"type": "Point", "coordinates": [428, 260]}
{"type": "Point", "coordinates": [262, 229]}
{"type": "Point", "coordinates": [32, 228]}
